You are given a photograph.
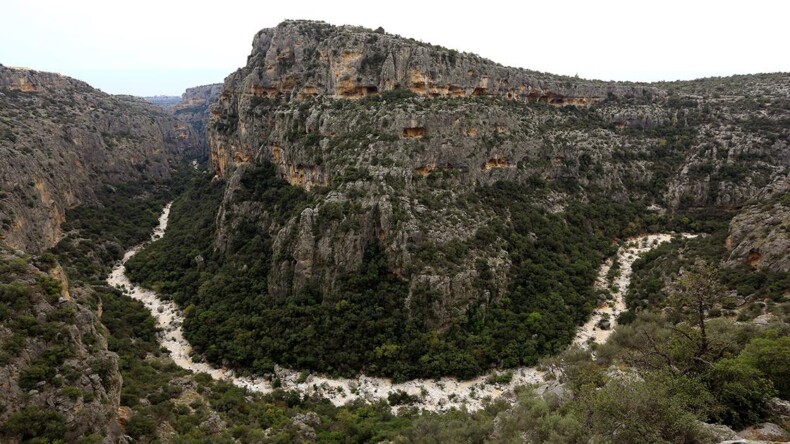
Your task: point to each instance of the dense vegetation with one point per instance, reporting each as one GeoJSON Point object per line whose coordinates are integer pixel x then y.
{"type": "Point", "coordinates": [42, 333]}
{"type": "Point", "coordinates": [752, 292]}
{"type": "Point", "coordinates": [744, 365]}
{"type": "Point", "coordinates": [199, 408]}
{"type": "Point", "coordinates": [658, 406]}
{"type": "Point", "coordinates": [670, 383]}
{"type": "Point", "coordinates": [365, 324]}
{"type": "Point", "coordinates": [97, 234]}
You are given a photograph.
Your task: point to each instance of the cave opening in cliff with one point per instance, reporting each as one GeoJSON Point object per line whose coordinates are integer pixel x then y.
{"type": "Point", "coordinates": [414, 132]}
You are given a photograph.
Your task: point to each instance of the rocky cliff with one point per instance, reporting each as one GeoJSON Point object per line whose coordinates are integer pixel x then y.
{"type": "Point", "coordinates": [193, 108]}
{"type": "Point", "coordinates": [301, 60]}
{"type": "Point", "coordinates": [61, 139]}
{"type": "Point", "coordinates": [400, 133]}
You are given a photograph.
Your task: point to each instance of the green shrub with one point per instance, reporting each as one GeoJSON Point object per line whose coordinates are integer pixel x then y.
{"type": "Point", "coordinates": [15, 294]}
{"type": "Point", "coordinates": [772, 358]}
{"type": "Point", "coordinates": [741, 390]}
{"type": "Point", "coordinates": [35, 422]}
{"type": "Point", "coordinates": [36, 372]}
{"type": "Point", "coordinates": [400, 397]}
{"type": "Point", "coordinates": [72, 393]}
{"type": "Point", "coordinates": [50, 286]}
{"type": "Point", "coordinates": [141, 425]}
{"type": "Point", "coordinates": [638, 412]}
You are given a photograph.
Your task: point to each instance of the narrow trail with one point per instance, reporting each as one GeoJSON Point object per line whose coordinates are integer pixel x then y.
{"type": "Point", "coordinates": [434, 395]}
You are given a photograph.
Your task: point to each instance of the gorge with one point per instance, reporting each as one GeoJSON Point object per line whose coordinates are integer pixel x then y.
{"type": "Point", "coordinates": [430, 395]}
{"type": "Point", "coordinates": [366, 238]}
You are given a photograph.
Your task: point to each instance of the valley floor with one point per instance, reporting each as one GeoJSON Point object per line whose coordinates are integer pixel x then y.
{"type": "Point", "coordinates": [433, 395]}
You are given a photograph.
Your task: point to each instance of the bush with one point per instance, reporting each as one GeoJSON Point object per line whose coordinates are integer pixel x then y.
{"type": "Point", "coordinates": [36, 372]}
{"type": "Point", "coordinates": [638, 412]}
{"type": "Point", "coordinates": [141, 425]}
{"type": "Point", "coordinates": [73, 393]}
{"type": "Point", "coordinates": [741, 391]}
{"type": "Point", "coordinates": [500, 378]}
{"type": "Point", "coordinates": [50, 287]}
{"type": "Point", "coordinates": [35, 422]}
{"type": "Point", "coordinates": [400, 397]}
{"type": "Point", "coordinates": [772, 357]}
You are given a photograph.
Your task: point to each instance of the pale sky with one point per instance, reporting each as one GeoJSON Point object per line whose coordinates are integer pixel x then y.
{"type": "Point", "coordinates": [149, 47]}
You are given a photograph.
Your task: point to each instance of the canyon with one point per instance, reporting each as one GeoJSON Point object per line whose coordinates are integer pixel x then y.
{"type": "Point", "coordinates": [362, 225]}
{"type": "Point", "coordinates": [432, 395]}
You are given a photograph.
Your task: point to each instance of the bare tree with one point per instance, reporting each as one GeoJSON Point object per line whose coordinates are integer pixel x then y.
{"type": "Point", "coordinates": [696, 292]}
{"type": "Point", "coordinates": [681, 343]}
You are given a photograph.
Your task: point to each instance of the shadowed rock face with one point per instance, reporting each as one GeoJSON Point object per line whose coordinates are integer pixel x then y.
{"type": "Point", "coordinates": [193, 108]}
{"type": "Point", "coordinates": [61, 139]}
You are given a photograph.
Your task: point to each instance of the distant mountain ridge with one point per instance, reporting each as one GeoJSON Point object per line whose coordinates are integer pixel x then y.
{"type": "Point", "coordinates": [163, 101]}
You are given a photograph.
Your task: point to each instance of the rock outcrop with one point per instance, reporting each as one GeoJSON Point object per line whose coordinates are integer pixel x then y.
{"type": "Point", "coordinates": [193, 109]}
{"type": "Point", "coordinates": [401, 131]}
{"type": "Point", "coordinates": [61, 139]}
{"type": "Point", "coordinates": [57, 378]}
{"type": "Point", "coordinates": [760, 234]}
{"type": "Point", "coordinates": [299, 60]}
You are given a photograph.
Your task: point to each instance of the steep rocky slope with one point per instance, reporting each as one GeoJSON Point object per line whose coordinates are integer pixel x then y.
{"type": "Point", "coordinates": [445, 214]}
{"type": "Point", "coordinates": [760, 234]}
{"type": "Point", "coordinates": [193, 108]}
{"type": "Point", "coordinates": [59, 381]}
{"type": "Point", "coordinates": [390, 123]}
{"type": "Point", "coordinates": [62, 140]}
{"type": "Point", "coordinates": [303, 60]}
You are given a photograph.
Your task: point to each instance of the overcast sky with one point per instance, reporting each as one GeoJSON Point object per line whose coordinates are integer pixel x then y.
{"type": "Point", "coordinates": [148, 47]}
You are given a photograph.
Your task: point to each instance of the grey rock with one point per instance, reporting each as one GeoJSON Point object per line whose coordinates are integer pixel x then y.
{"type": "Point", "coordinates": [61, 140]}
{"type": "Point", "coordinates": [779, 407]}
{"type": "Point", "coordinates": [760, 234]}
{"type": "Point", "coordinates": [309, 418]}
{"type": "Point", "coordinates": [766, 431]}
{"type": "Point", "coordinates": [718, 432]}
{"type": "Point", "coordinates": [213, 424]}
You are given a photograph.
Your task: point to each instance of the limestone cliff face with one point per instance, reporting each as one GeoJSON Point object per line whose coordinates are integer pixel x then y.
{"type": "Point", "coordinates": [299, 60]}
{"type": "Point", "coordinates": [60, 139]}
{"type": "Point", "coordinates": [193, 109]}
{"type": "Point", "coordinates": [398, 134]}
{"type": "Point", "coordinates": [199, 97]}
{"type": "Point", "coordinates": [303, 59]}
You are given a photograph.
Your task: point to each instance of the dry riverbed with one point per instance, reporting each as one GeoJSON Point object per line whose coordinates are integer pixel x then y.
{"type": "Point", "coordinates": [434, 395]}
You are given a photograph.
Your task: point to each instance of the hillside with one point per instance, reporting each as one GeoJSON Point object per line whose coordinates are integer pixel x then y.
{"type": "Point", "coordinates": [59, 379]}
{"type": "Point", "coordinates": [62, 141]}
{"type": "Point", "coordinates": [407, 210]}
